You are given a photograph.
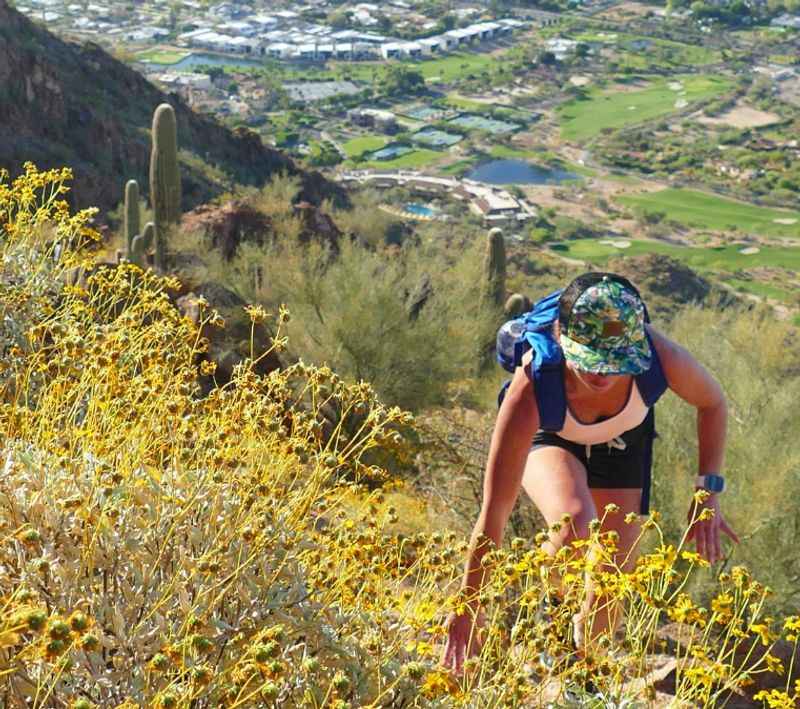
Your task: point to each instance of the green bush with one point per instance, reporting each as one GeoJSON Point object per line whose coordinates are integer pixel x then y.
{"type": "Point", "coordinates": [756, 359]}
{"type": "Point", "coordinates": [409, 324]}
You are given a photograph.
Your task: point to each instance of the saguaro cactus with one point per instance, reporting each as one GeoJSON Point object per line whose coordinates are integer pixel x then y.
{"type": "Point", "coordinates": [131, 213]}
{"type": "Point", "coordinates": [141, 244]}
{"type": "Point", "coordinates": [165, 178]}
{"type": "Point", "coordinates": [494, 268]}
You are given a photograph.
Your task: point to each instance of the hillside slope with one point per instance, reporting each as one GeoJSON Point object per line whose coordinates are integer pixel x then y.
{"type": "Point", "coordinates": [65, 104]}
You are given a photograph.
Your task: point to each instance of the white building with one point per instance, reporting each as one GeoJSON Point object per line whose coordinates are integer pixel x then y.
{"type": "Point", "coordinates": [433, 45]}
{"type": "Point", "coordinates": [280, 50]}
{"type": "Point", "coordinates": [325, 51]}
{"type": "Point", "coordinates": [412, 49]}
{"type": "Point", "coordinates": [344, 50]}
{"type": "Point", "coordinates": [560, 47]}
{"type": "Point", "coordinates": [392, 50]}
{"type": "Point", "coordinates": [177, 80]}
{"type": "Point", "coordinates": [188, 37]}
{"type": "Point", "coordinates": [264, 22]}
{"type": "Point", "coordinates": [786, 20]}
{"type": "Point", "coordinates": [238, 27]}
{"type": "Point", "coordinates": [486, 30]}
{"type": "Point", "coordinates": [307, 51]}
{"type": "Point", "coordinates": [246, 45]}
{"type": "Point", "coordinates": [145, 34]}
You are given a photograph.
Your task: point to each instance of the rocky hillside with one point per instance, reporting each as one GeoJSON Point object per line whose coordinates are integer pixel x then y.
{"type": "Point", "coordinates": [63, 104]}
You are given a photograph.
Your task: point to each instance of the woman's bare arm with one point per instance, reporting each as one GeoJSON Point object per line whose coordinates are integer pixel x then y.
{"type": "Point", "coordinates": [517, 422]}
{"type": "Point", "coordinates": [695, 385]}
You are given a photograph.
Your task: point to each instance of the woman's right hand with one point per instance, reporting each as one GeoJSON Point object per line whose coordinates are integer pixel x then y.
{"type": "Point", "coordinates": [463, 639]}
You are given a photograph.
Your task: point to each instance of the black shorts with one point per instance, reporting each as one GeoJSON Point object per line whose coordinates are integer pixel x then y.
{"type": "Point", "coordinates": [608, 466]}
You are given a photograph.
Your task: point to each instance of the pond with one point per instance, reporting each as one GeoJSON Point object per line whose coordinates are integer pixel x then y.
{"type": "Point", "coordinates": [195, 60]}
{"type": "Point", "coordinates": [510, 172]}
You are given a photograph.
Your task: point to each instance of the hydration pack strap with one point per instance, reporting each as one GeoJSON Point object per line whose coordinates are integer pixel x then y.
{"type": "Point", "coordinates": [652, 383]}
{"type": "Point", "coordinates": [551, 398]}
{"type": "Point", "coordinates": [647, 461]}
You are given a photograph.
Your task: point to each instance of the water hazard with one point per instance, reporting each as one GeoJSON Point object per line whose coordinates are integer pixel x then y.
{"type": "Point", "coordinates": [195, 60]}
{"type": "Point", "coordinates": [519, 172]}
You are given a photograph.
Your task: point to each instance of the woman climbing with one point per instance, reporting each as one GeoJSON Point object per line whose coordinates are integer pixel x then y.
{"type": "Point", "coordinates": [575, 430]}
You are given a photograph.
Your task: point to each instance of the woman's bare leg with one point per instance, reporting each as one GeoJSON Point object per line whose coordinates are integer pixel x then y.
{"type": "Point", "coordinates": [605, 615]}
{"type": "Point", "coordinates": [555, 480]}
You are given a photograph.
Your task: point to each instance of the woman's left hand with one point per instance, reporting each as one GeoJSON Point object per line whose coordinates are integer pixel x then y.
{"type": "Point", "coordinates": [706, 529]}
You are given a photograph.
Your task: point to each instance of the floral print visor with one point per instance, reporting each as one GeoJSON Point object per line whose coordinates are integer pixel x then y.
{"type": "Point", "coordinates": [605, 333]}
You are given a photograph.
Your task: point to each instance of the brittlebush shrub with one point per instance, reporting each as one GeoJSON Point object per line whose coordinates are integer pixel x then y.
{"type": "Point", "coordinates": [159, 548]}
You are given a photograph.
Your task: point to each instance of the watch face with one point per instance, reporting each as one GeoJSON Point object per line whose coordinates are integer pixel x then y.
{"type": "Point", "coordinates": [714, 483]}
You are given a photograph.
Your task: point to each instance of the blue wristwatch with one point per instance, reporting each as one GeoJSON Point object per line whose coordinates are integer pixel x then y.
{"type": "Point", "coordinates": [711, 482]}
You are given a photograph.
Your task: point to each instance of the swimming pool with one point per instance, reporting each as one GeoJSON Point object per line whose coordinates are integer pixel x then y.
{"type": "Point", "coordinates": [420, 210]}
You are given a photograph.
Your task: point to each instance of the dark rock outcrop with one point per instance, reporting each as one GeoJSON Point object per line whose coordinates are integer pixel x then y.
{"type": "Point", "coordinates": [235, 222]}
{"type": "Point", "coordinates": [317, 226]}
{"type": "Point", "coordinates": [663, 276]}
{"type": "Point", "coordinates": [228, 226]}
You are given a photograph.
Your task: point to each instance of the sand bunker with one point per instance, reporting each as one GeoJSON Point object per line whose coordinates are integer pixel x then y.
{"type": "Point", "coordinates": [742, 116]}
{"type": "Point", "coordinates": [785, 220]}
{"type": "Point", "coordinates": [579, 80]}
{"type": "Point", "coordinates": [681, 103]}
{"type": "Point", "coordinates": [617, 244]}
{"type": "Point", "coordinates": [749, 250]}
{"type": "Point", "coordinates": [675, 85]}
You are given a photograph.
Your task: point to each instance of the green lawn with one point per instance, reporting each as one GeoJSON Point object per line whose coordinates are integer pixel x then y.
{"type": "Point", "coordinates": [679, 53]}
{"type": "Point", "coordinates": [786, 59]}
{"type": "Point", "coordinates": [417, 158]}
{"type": "Point", "coordinates": [582, 119]}
{"type": "Point", "coordinates": [157, 56]}
{"type": "Point", "coordinates": [708, 211]}
{"type": "Point", "coordinates": [465, 104]}
{"type": "Point", "coordinates": [504, 152]}
{"type": "Point", "coordinates": [581, 170]}
{"type": "Point", "coordinates": [720, 258]}
{"type": "Point", "coordinates": [356, 147]}
{"type": "Point", "coordinates": [448, 69]}
{"type": "Point", "coordinates": [453, 67]}
{"type": "Point", "coordinates": [460, 167]}
{"type": "Point", "coordinates": [765, 290]}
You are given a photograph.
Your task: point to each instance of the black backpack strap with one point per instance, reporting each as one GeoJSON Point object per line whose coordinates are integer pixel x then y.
{"type": "Point", "coordinates": [502, 393]}
{"type": "Point", "coordinates": [647, 460]}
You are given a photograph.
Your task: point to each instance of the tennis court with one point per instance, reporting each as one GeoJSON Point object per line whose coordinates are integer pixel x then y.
{"type": "Point", "coordinates": [490, 125]}
{"type": "Point", "coordinates": [426, 113]}
{"type": "Point", "coordinates": [390, 152]}
{"type": "Point", "coordinates": [436, 138]}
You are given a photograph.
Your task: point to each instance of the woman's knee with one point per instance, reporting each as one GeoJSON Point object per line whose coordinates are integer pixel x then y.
{"type": "Point", "coordinates": [574, 521]}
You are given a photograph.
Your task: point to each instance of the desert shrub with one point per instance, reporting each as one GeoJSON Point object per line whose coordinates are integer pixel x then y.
{"type": "Point", "coordinates": [407, 323]}
{"type": "Point", "coordinates": [166, 549]}
{"type": "Point", "coordinates": [755, 358]}
{"type": "Point", "coordinates": [366, 221]}
{"type": "Point", "coordinates": [569, 228]}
